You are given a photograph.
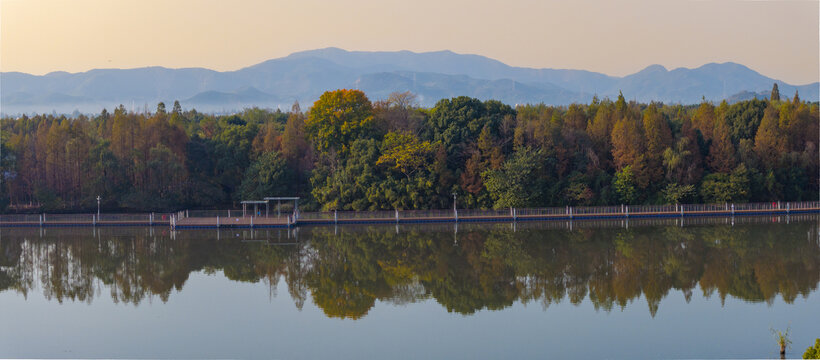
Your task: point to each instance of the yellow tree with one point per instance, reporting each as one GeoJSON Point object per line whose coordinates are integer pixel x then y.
{"type": "Point", "coordinates": [658, 138]}
{"type": "Point", "coordinates": [575, 118]}
{"type": "Point", "coordinates": [721, 152]}
{"type": "Point", "coordinates": [338, 118]}
{"type": "Point", "coordinates": [704, 119]}
{"type": "Point", "coordinates": [802, 128]}
{"type": "Point", "coordinates": [770, 140]}
{"type": "Point", "coordinates": [628, 149]}
{"type": "Point", "coordinates": [123, 138]}
{"type": "Point", "coordinates": [294, 145]}
{"type": "Point", "coordinates": [600, 132]}
{"type": "Point", "coordinates": [268, 139]}
{"type": "Point", "coordinates": [405, 153]}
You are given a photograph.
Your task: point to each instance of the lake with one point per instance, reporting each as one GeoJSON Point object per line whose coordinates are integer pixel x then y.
{"type": "Point", "coordinates": [707, 288]}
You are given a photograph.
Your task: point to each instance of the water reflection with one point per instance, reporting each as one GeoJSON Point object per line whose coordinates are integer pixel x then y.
{"type": "Point", "coordinates": [466, 269]}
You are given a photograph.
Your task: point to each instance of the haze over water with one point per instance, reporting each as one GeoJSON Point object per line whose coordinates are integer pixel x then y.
{"type": "Point", "coordinates": [602, 289]}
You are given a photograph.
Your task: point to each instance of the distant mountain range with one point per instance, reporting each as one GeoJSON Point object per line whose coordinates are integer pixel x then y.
{"type": "Point", "coordinates": [304, 76]}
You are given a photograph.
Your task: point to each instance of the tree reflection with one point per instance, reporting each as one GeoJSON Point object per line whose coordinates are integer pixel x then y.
{"type": "Point", "coordinates": [346, 271]}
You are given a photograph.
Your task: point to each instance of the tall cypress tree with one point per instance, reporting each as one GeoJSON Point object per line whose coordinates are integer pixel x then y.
{"type": "Point", "coordinates": [775, 93]}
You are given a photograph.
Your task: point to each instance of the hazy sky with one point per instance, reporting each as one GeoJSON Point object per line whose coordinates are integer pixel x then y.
{"type": "Point", "coordinates": [617, 37]}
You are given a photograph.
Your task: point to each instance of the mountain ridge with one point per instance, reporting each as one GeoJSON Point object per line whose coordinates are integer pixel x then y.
{"type": "Point", "coordinates": [304, 75]}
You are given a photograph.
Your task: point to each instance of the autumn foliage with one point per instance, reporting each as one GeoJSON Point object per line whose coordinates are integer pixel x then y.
{"type": "Point", "coordinates": [348, 153]}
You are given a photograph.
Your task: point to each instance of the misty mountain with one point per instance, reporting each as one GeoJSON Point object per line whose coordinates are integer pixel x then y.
{"type": "Point", "coordinates": [304, 76]}
{"type": "Point", "coordinates": [432, 87]}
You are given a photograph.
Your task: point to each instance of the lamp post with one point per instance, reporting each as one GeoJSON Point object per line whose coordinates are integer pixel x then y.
{"type": "Point", "coordinates": [98, 207]}
{"type": "Point", "coordinates": [454, 201]}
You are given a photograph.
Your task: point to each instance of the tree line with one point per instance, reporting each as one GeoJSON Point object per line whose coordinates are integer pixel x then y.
{"type": "Point", "coordinates": [348, 153]}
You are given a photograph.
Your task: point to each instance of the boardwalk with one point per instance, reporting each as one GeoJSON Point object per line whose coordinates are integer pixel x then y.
{"type": "Point", "coordinates": [230, 222]}
{"type": "Point", "coordinates": [79, 220]}
{"type": "Point", "coordinates": [507, 215]}
{"type": "Point", "coordinates": [234, 219]}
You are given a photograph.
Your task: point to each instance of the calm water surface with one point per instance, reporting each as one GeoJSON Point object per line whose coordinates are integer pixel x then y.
{"type": "Point", "coordinates": [710, 289]}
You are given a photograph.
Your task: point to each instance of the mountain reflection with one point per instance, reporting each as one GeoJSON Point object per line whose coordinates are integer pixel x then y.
{"type": "Point", "coordinates": [465, 269]}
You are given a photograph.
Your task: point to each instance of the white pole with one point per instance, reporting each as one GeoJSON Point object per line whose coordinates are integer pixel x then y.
{"type": "Point", "coordinates": [455, 208]}
{"type": "Point", "coordinates": [217, 221]}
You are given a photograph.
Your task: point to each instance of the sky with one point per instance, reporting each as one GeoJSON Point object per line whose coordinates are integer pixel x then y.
{"type": "Point", "coordinates": [779, 38]}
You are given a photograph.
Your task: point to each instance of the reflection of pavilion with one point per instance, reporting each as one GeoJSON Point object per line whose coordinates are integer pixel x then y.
{"type": "Point", "coordinates": [276, 237]}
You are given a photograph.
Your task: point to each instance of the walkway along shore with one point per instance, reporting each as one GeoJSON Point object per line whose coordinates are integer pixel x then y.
{"type": "Point", "coordinates": [213, 219]}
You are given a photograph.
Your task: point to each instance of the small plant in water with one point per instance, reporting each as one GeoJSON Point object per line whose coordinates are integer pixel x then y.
{"type": "Point", "coordinates": [782, 338]}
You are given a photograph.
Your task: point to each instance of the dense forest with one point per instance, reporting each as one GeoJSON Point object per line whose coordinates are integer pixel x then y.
{"type": "Point", "coordinates": [349, 153]}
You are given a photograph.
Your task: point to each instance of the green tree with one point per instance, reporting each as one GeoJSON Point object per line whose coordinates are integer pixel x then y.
{"type": "Point", "coordinates": [516, 184]}
{"type": "Point", "coordinates": [723, 188]}
{"type": "Point", "coordinates": [457, 123]}
{"type": "Point", "coordinates": [624, 183]}
{"type": "Point", "coordinates": [232, 149]}
{"type": "Point", "coordinates": [678, 194]}
{"type": "Point", "coordinates": [350, 184]}
{"type": "Point", "coordinates": [578, 193]}
{"type": "Point", "coordinates": [775, 93]}
{"type": "Point", "coordinates": [675, 159]}
{"type": "Point", "coordinates": [744, 118]}
{"type": "Point", "coordinates": [269, 175]}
